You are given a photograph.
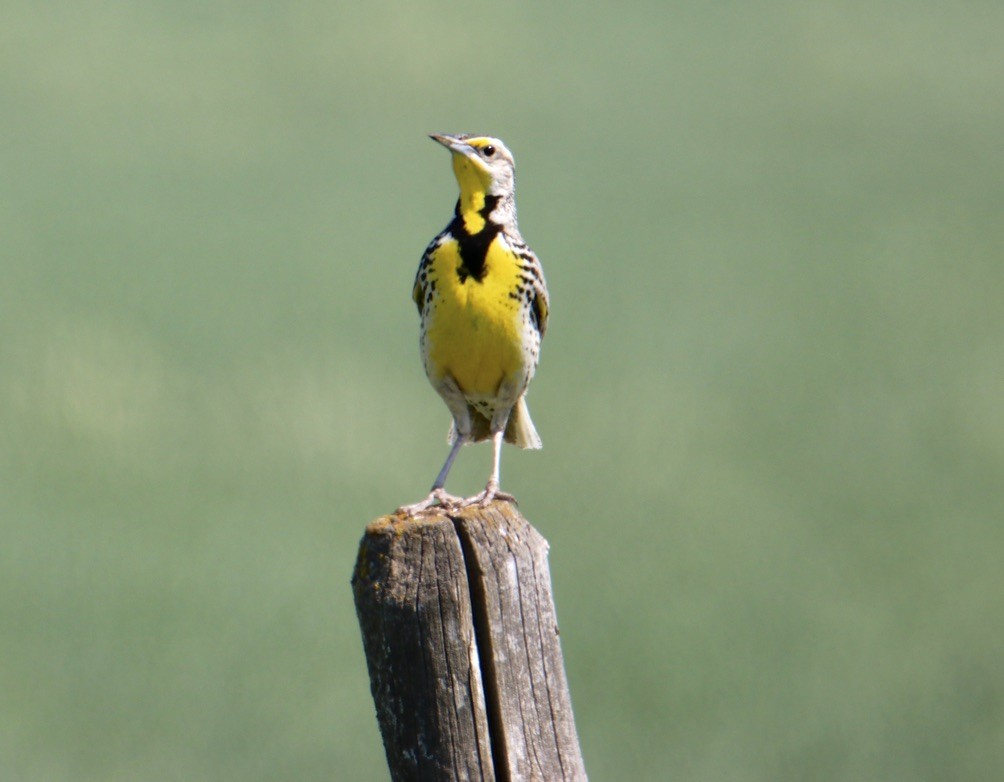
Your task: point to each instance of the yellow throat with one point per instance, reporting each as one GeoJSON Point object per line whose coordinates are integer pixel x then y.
{"type": "Point", "coordinates": [474, 182]}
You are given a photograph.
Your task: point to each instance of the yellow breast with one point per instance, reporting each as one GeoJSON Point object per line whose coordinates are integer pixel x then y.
{"type": "Point", "coordinates": [473, 329]}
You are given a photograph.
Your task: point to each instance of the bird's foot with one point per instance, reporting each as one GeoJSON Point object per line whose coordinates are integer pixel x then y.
{"type": "Point", "coordinates": [485, 498]}
{"type": "Point", "coordinates": [437, 500]}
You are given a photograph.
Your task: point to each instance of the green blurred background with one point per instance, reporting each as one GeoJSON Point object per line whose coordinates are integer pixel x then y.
{"type": "Point", "coordinates": [771, 395]}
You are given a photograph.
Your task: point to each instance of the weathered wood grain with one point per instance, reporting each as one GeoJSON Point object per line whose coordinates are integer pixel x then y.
{"type": "Point", "coordinates": [461, 641]}
{"type": "Point", "coordinates": [414, 609]}
{"type": "Point", "coordinates": [530, 709]}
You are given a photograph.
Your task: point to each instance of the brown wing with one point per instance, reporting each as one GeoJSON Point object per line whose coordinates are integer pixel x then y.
{"type": "Point", "coordinates": [422, 275]}
{"type": "Point", "coordinates": [540, 306]}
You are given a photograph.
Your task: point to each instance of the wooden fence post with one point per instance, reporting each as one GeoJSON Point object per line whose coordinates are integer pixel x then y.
{"type": "Point", "coordinates": [461, 642]}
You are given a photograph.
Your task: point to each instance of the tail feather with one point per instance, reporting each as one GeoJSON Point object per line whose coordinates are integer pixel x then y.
{"type": "Point", "coordinates": [519, 430]}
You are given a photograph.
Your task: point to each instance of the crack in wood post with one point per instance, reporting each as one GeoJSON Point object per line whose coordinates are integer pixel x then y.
{"type": "Point", "coordinates": [486, 654]}
{"type": "Point", "coordinates": [462, 647]}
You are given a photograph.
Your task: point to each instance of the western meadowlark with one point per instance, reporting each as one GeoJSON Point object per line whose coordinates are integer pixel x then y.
{"type": "Point", "coordinates": [481, 294]}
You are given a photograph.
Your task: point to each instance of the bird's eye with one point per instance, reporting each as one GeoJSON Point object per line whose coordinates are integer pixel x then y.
{"type": "Point", "coordinates": [489, 150]}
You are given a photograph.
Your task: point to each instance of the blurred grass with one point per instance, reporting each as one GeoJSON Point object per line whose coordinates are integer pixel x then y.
{"type": "Point", "coordinates": [770, 395]}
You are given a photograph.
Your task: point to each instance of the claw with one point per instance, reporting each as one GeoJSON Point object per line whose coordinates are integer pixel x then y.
{"type": "Point", "coordinates": [437, 500]}
{"type": "Point", "coordinates": [484, 499]}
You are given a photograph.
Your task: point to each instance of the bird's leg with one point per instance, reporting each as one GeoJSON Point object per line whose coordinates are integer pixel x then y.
{"type": "Point", "coordinates": [491, 492]}
{"type": "Point", "coordinates": [438, 497]}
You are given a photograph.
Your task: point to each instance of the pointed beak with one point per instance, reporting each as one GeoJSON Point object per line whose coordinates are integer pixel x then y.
{"type": "Point", "coordinates": [452, 143]}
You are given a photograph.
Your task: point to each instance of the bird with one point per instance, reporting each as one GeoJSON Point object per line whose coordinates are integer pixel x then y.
{"type": "Point", "coordinates": [483, 302]}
